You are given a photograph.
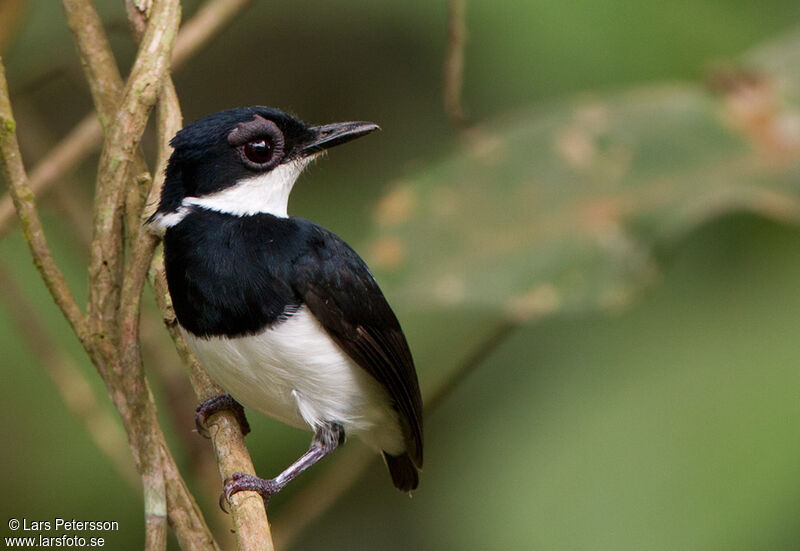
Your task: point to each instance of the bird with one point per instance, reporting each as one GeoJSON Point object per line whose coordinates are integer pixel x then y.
{"type": "Point", "coordinates": [280, 311]}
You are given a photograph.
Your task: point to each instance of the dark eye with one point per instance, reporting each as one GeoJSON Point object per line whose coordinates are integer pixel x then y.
{"type": "Point", "coordinates": [258, 151]}
{"type": "Point", "coordinates": [258, 143]}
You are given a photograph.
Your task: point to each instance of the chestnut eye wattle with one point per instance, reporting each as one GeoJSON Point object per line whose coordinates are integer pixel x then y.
{"type": "Point", "coordinates": [258, 151]}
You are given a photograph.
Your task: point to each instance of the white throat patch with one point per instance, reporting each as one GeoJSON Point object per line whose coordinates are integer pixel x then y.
{"type": "Point", "coordinates": [266, 193]}
{"type": "Point", "coordinates": [161, 221]}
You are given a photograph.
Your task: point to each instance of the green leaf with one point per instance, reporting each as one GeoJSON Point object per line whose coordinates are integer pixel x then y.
{"type": "Point", "coordinates": [561, 208]}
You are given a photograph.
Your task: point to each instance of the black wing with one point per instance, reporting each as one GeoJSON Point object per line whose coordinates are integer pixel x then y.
{"type": "Point", "coordinates": [340, 291]}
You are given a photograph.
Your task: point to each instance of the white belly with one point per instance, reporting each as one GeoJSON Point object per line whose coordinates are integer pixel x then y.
{"type": "Point", "coordinates": [297, 374]}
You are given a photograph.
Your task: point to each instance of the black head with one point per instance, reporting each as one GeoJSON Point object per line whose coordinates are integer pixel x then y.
{"type": "Point", "coordinates": [237, 145]}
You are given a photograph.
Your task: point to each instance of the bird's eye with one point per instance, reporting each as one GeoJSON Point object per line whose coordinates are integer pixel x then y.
{"type": "Point", "coordinates": [259, 143]}
{"type": "Point", "coordinates": [258, 151]}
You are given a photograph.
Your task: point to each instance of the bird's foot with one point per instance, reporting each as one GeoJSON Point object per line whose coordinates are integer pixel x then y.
{"type": "Point", "coordinates": [217, 403]}
{"type": "Point", "coordinates": [240, 482]}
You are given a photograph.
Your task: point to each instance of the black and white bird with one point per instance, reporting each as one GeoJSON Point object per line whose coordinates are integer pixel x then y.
{"type": "Point", "coordinates": [283, 314]}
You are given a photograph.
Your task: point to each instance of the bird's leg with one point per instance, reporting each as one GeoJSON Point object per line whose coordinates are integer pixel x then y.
{"type": "Point", "coordinates": [326, 439]}
{"type": "Point", "coordinates": [217, 403]}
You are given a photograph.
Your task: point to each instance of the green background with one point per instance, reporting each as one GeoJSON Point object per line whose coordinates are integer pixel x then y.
{"type": "Point", "coordinates": [669, 424]}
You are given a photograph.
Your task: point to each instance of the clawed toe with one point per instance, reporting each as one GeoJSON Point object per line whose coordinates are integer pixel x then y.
{"type": "Point", "coordinates": [216, 403]}
{"type": "Point", "coordinates": [240, 482]}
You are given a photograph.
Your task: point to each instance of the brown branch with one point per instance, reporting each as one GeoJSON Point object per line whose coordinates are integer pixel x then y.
{"type": "Point", "coordinates": [25, 205]}
{"type": "Point", "coordinates": [143, 245]}
{"type": "Point", "coordinates": [249, 515]}
{"type": "Point", "coordinates": [185, 516]}
{"type": "Point", "coordinates": [97, 60]}
{"type": "Point", "coordinates": [107, 257]}
{"type": "Point", "coordinates": [103, 355]}
{"type": "Point", "coordinates": [121, 369]}
{"type": "Point", "coordinates": [125, 383]}
{"type": "Point", "coordinates": [169, 121]}
{"type": "Point", "coordinates": [454, 62]}
{"type": "Point", "coordinates": [142, 248]}
{"type": "Point", "coordinates": [314, 500]}
{"type": "Point", "coordinates": [190, 527]}
{"type": "Point", "coordinates": [118, 154]}
{"type": "Point", "coordinates": [105, 82]}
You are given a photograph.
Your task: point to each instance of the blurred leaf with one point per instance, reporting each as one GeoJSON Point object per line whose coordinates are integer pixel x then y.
{"type": "Point", "coordinates": [561, 208]}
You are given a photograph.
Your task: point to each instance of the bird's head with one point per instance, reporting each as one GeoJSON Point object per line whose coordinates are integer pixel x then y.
{"type": "Point", "coordinates": [243, 161]}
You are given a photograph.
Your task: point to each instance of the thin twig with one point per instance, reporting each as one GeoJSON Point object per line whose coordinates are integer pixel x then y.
{"type": "Point", "coordinates": [25, 204]}
{"type": "Point", "coordinates": [69, 197]}
{"type": "Point", "coordinates": [249, 515]}
{"type": "Point", "coordinates": [314, 500]}
{"type": "Point", "coordinates": [454, 62]}
{"type": "Point", "coordinates": [169, 121]}
{"type": "Point", "coordinates": [185, 516]}
{"type": "Point", "coordinates": [57, 163]}
{"type": "Point", "coordinates": [99, 66]}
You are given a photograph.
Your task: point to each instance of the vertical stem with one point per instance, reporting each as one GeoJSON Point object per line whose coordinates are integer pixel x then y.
{"type": "Point", "coordinates": [59, 161]}
{"type": "Point", "coordinates": [25, 203]}
{"type": "Point", "coordinates": [454, 61]}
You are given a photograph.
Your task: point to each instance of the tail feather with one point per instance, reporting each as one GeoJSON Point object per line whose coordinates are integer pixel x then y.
{"type": "Point", "coordinates": [404, 473]}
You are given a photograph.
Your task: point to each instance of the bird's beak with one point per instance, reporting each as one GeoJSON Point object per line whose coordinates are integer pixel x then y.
{"type": "Point", "coordinates": [329, 135]}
